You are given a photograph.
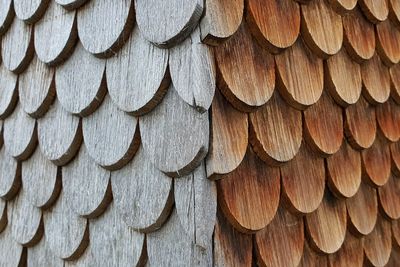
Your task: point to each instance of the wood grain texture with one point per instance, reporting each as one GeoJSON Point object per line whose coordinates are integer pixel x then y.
{"type": "Point", "coordinates": [321, 28]}
{"type": "Point", "coordinates": [378, 244]}
{"type": "Point", "coordinates": [221, 20]}
{"type": "Point", "coordinates": [80, 91]}
{"type": "Point", "coordinates": [323, 126]}
{"type": "Point", "coordinates": [276, 131]}
{"type": "Point", "coordinates": [396, 234]}
{"type": "Point", "coordinates": [389, 198]}
{"type": "Point", "coordinates": [362, 210]}
{"type": "Point", "coordinates": [326, 226]}
{"type": "Point", "coordinates": [395, 155]}
{"type": "Point", "coordinates": [344, 171]}
{"type": "Point", "coordinates": [300, 75]}
{"type": "Point", "coordinates": [376, 163]}
{"type": "Point", "coordinates": [86, 186]}
{"type": "Point", "coordinates": [10, 175]}
{"type": "Point", "coordinates": [20, 136]}
{"type": "Point", "coordinates": [192, 68]}
{"type": "Point", "coordinates": [71, 4]}
{"type": "Point", "coordinates": [25, 220]}
{"type": "Point", "coordinates": [179, 18]}
{"type": "Point", "coordinates": [171, 246]}
{"type": "Point", "coordinates": [394, 259]}
{"type": "Point", "coordinates": [17, 46]}
{"type": "Point", "coordinates": [145, 206]}
{"type": "Point", "coordinates": [111, 136]}
{"type": "Point", "coordinates": [182, 148]}
{"type": "Point", "coordinates": [41, 180]}
{"type": "Point", "coordinates": [247, 82]}
{"type": "Point", "coordinates": [360, 124]}
{"type": "Point", "coordinates": [231, 248]}
{"type": "Point", "coordinates": [395, 82]}
{"type": "Point", "coordinates": [196, 205]}
{"type": "Point", "coordinates": [3, 215]}
{"type": "Point", "coordinates": [343, 6]}
{"type": "Point", "coordinates": [55, 35]}
{"type": "Point", "coordinates": [137, 76]}
{"type": "Point", "coordinates": [30, 11]}
{"type": "Point", "coordinates": [9, 92]}
{"type": "Point", "coordinates": [41, 255]}
{"type": "Point", "coordinates": [103, 27]}
{"type": "Point", "coordinates": [229, 136]}
{"type": "Point", "coordinates": [350, 254]}
{"type": "Point", "coordinates": [312, 259]}
{"type": "Point", "coordinates": [67, 234]}
{"type": "Point", "coordinates": [303, 181]}
{"type": "Point", "coordinates": [59, 134]}
{"type": "Point", "coordinates": [252, 186]}
{"type": "Point", "coordinates": [394, 12]}
{"type": "Point", "coordinates": [359, 36]}
{"type": "Point", "coordinates": [265, 20]}
{"type": "Point", "coordinates": [343, 78]}
{"type": "Point", "coordinates": [388, 118]}
{"type": "Point", "coordinates": [16, 254]}
{"type": "Point", "coordinates": [284, 233]}
{"type": "Point", "coordinates": [376, 81]}
{"type": "Point", "coordinates": [6, 15]}
{"type": "Point", "coordinates": [388, 46]}
{"type": "Point", "coordinates": [375, 10]}
{"type": "Point", "coordinates": [111, 240]}
{"type": "Point", "coordinates": [36, 88]}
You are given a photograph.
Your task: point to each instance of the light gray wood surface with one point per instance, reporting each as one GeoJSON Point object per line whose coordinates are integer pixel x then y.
{"type": "Point", "coordinates": [41, 255]}
{"type": "Point", "coordinates": [71, 4]}
{"type": "Point", "coordinates": [10, 175]}
{"type": "Point", "coordinates": [16, 254]}
{"type": "Point", "coordinates": [30, 10]}
{"type": "Point", "coordinates": [6, 15]}
{"type": "Point", "coordinates": [8, 92]}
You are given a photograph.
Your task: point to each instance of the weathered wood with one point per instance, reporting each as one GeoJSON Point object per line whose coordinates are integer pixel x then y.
{"type": "Point", "coordinates": [3, 215]}
{"type": "Point", "coordinates": [359, 36]}
{"type": "Point", "coordinates": [229, 135]}
{"type": "Point", "coordinates": [41, 180]}
{"type": "Point", "coordinates": [41, 255]}
{"type": "Point", "coordinates": [343, 6]}
{"type": "Point", "coordinates": [6, 15]}
{"type": "Point", "coordinates": [231, 248]}
{"type": "Point", "coordinates": [20, 136]}
{"type": "Point", "coordinates": [323, 126]}
{"type": "Point", "coordinates": [300, 75]}
{"type": "Point", "coordinates": [9, 92]}
{"type": "Point", "coordinates": [113, 243]}
{"type": "Point", "coordinates": [303, 181]}
{"type": "Point", "coordinates": [17, 46]}
{"type": "Point", "coordinates": [360, 124]}
{"type": "Point", "coordinates": [388, 118]}
{"type": "Point", "coordinates": [395, 82]}
{"type": "Point", "coordinates": [81, 90]}
{"type": "Point", "coordinates": [30, 11]}
{"type": "Point", "coordinates": [178, 17]}
{"type": "Point", "coordinates": [71, 4]}
{"type": "Point", "coordinates": [13, 253]}
{"type": "Point", "coordinates": [247, 81]}
{"type": "Point", "coordinates": [362, 210]}
{"type": "Point", "coordinates": [312, 259]}
{"type": "Point", "coordinates": [285, 233]}
{"type": "Point", "coordinates": [196, 205]}
{"type": "Point", "coordinates": [265, 20]}
{"type": "Point", "coordinates": [276, 131]}
{"type": "Point", "coordinates": [67, 233]}
{"type": "Point", "coordinates": [378, 244]}
{"type": "Point", "coordinates": [137, 76]}
{"type": "Point", "coordinates": [86, 186]}
{"type": "Point", "coordinates": [375, 10]}
{"type": "Point", "coordinates": [36, 88]}
{"type": "Point", "coordinates": [350, 254]}
{"type": "Point", "coordinates": [252, 186]}
{"type": "Point", "coordinates": [55, 34]}
{"type": "Point", "coordinates": [389, 196]}
{"type": "Point", "coordinates": [326, 226]}
{"type": "Point", "coordinates": [10, 175]}
{"type": "Point", "coordinates": [321, 28]}
{"type": "Point", "coordinates": [344, 171]}
{"type": "Point", "coordinates": [147, 205]}
{"type": "Point", "coordinates": [221, 21]}
{"type": "Point", "coordinates": [376, 163]}
{"type": "Point", "coordinates": [388, 46]}
{"type": "Point", "coordinates": [59, 134]}
{"type": "Point", "coordinates": [343, 78]}
{"type": "Point", "coordinates": [25, 220]}
{"type": "Point", "coordinates": [192, 68]}
{"type": "Point", "coordinates": [104, 26]}
{"type": "Point", "coordinates": [184, 131]}
{"type": "Point", "coordinates": [111, 136]}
